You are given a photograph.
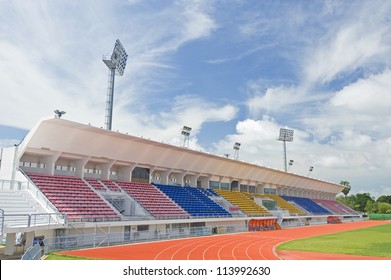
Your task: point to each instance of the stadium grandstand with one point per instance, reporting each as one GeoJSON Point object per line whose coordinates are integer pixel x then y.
{"type": "Point", "coordinates": [69, 181]}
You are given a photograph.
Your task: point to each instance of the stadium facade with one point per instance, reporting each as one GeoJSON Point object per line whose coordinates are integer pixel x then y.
{"type": "Point", "coordinates": [72, 179]}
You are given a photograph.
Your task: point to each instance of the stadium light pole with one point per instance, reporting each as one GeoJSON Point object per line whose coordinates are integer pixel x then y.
{"type": "Point", "coordinates": [116, 64]}
{"type": "Point", "coordinates": [286, 135]}
{"type": "Point", "coordinates": [186, 135]}
{"type": "Point", "coordinates": [236, 150]}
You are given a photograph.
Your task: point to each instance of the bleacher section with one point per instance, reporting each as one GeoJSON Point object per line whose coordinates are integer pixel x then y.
{"type": "Point", "coordinates": [335, 206]}
{"type": "Point", "coordinates": [72, 196]}
{"type": "Point", "coordinates": [308, 205]}
{"type": "Point", "coordinates": [97, 185]}
{"type": "Point", "coordinates": [111, 185]}
{"type": "Point", "coordinates": [285, 205]}
{"type": "Point", "coordinates": [245, 204]}
{"type": "Point", "coordinates": [153, 200]}
{"type": "Point", "coordinates": [194, 200]}
{"type": "Point", "coordinates": [20, 204]}
{"type": "Point", "coordinates": [209, 192]}
{"type": "Point", "coordinates": [79, 199]}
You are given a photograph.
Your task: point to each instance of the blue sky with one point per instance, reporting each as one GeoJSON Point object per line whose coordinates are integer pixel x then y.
{"type": "Point", "coordinates": [234, 71]}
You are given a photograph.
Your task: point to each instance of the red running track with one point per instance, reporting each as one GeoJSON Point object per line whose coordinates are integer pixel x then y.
{"type": "Point", "coordinates": [243, 246]}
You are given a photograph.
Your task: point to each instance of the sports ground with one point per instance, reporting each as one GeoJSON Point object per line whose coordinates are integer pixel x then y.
{"type": "Point", "coordinates": [259, 245]}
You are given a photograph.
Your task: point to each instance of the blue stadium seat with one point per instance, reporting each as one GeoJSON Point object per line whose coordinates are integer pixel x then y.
{"type": "Point", "coordinates": [195, 201]}
{"type": "Point", "coordinates": [307, 204]}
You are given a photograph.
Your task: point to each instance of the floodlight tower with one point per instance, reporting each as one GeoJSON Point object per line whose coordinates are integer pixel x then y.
{"type": "Point", "coordinates": [186, 135]}
{"type": "Point", "coordinates": [236, 150]}
{"type": "Point", "coordinates": [116, 64]}
{"type": "Point", "coordinates": [286, 135]}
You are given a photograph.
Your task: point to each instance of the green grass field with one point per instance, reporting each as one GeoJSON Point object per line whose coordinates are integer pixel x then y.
{"type": "Point", "coordinates": [373, 241]}
{"type": "Point", "coordinates": [55, 256]}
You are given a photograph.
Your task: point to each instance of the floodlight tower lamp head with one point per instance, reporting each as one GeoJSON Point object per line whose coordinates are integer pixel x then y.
{"type": "Point", "coordinates": [236, 149]}
{"type": "Point", "coordinates": [186, 135]}
{"type": "Point", "coordinates": [286, 135]}
{"type": "Point", "coordinates": [119, 57]}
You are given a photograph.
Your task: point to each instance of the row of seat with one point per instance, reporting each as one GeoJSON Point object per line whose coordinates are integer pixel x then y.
{"type": "Point", "coordinates": [285, 205]}
{"type": "Point", "coordinates": [308, 204]}
{"type": "Point", "coordinates": [194, 201]}
{"type": "Point", "coordinates": [153, 200]}
{"type": "Point", "coordinates": [68, 192]}
{"type": "Point", "coordinates": [245, 204]}
{"type": "Point", "coordinates": [335, 206]}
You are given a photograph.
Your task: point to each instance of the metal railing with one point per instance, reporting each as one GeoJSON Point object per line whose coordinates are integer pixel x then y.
{"type": "Point", "coordinates": [30, 220]}
{"type": "Point", "coordinates": [1, 222]}
{"type": "Point", "coordinates": [10, 185]}
{"type": "Point", "coordinates": [72, 242]}
{"type": "Point", "coordinates": [33, 253]}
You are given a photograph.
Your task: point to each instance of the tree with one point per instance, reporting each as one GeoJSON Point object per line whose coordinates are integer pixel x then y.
{"type": "Point", "coordinates": [384, 208]}
{"type": "Point", "coordinates": [371, 207]}
{"type": "Point", "coordinates": [348, 200]}
{"type": "Point", "coordinates": [362, 200]}
{"type": "Point", "coordinates": [384, 198]}
{"type": "Point", "coordinates": [346, 188]}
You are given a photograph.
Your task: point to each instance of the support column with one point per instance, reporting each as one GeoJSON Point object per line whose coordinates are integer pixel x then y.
{"type": "Point", "coordinates": [106, 169]}
{"type": "Point", "coordinates": [9, 244]}
{"type": "Point", "coordinates": [51, 163]}
{"type": "Point", "coordinates": [125, 172]}
{"type": "Point", "coordinates": [181, 178]}
{"type": "Point", "coordinates": [165, 176]}
{"type": "Point", "coordinates": [192, 180]}
{"type": "Point", "coordinates": [29, 239]}
{"type": "Point", "coordinates": [204, 181]}
{"type": "Point", "coordinates": [80, 164]}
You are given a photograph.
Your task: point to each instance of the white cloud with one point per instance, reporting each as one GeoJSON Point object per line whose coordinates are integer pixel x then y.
{"type": "Point", "coordinates": [51, 56]}
{"type": "Point", "coordinates": [274, 99]}
{"type": "Point", "coordinates": [187, 110]}
{"type": "Point", "coordinates": [351, 48]}
{"type": "Point", "coordinates": [357, 158]}
{"type": "Point", "coordinates": [199, 23]}
{"type": "Point", "coordinates": [359, 39]}
{"type": "Point", "coordinates": [369, 96]}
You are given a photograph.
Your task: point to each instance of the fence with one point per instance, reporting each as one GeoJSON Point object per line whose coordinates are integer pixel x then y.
{"type": "Point", "coordinates": [33, 253]}
{"type": "Point", "coordinates": [62, 243]}
{"type": "Point", "coordinates": [379, 216]}
{"type": "Point", "coordinates": [29, 220]}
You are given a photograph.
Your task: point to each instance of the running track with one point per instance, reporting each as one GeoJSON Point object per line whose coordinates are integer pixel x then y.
{"type": "Point", "coordinates": [243, 246]}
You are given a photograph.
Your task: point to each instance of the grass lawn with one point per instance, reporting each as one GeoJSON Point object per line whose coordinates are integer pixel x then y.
{"type": "Point", "coordinates": [373, 241]}
{"type": "Point", "coordinates": [55, 256]}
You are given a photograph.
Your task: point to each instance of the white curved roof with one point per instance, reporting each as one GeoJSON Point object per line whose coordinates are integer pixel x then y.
{"type": "Point", "coordinates": [66, 138]}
